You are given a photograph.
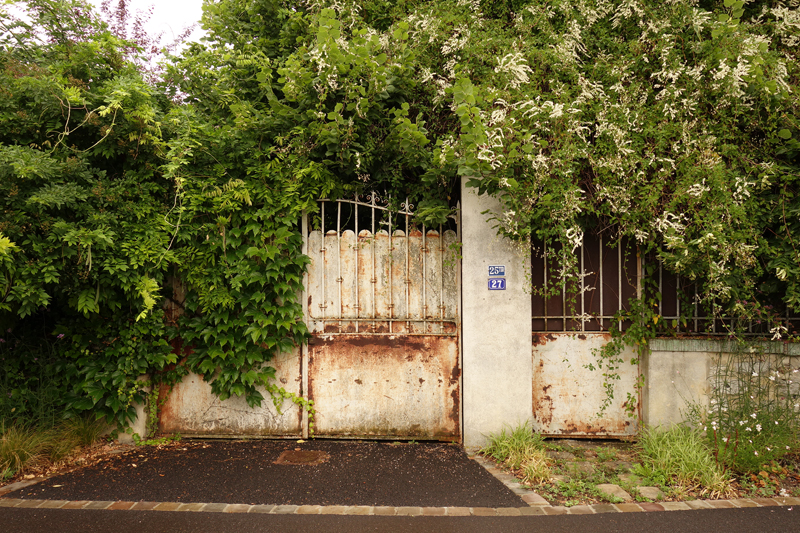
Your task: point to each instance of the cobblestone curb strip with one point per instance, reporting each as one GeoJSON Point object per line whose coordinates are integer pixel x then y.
{"type": "Point", "coordinates": [397, 511]}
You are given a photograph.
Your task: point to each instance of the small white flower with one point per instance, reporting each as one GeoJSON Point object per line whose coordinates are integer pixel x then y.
{"type": "Point", "coordinates": [748, 429]}
{"type": "Point", "coordinates": [756, 453]}
{"type": "Point", "coordinates": [724, 439]}
{"type": "Point", "coordinates": [758, 427]}
{"type": "Point", "coordinates": [741, 422]}
{"type": "Point", "coordinates": [772, 378]}
{"type": "Point", "coordinates": [516, 65]}
{"type": "Point", "coordinates": [753, 416]}
{"type": "Point", "coordinates": [697, 189]}
{"type": "Point", "coordinates": [755, 374]}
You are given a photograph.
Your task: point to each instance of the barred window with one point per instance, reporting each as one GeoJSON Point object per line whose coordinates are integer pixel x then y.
{"type": "Point", "coordinates": [607, 280]}
{"type": "Point", "coordinates": [610, 274]}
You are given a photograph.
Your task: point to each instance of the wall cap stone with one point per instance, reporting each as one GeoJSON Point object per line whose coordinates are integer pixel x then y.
{"type": "Point", "coordinates": [720, 346]}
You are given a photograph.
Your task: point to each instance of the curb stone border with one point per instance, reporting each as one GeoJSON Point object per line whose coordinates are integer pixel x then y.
{"type": "Point", "coordinates": [365, 510]}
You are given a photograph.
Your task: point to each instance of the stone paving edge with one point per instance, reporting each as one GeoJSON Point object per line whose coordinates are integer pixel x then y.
{"type": "Point", "coordinates": [364, 510]}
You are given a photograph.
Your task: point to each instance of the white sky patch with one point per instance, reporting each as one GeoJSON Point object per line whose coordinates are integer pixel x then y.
{"type": "Point", "coordinates": [170, 17]}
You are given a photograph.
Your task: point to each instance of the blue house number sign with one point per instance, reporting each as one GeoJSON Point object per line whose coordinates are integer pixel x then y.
{"type": "Point", "coordinates": [497, 270]}
{"type": "Point", "coordinates": [497, 283]}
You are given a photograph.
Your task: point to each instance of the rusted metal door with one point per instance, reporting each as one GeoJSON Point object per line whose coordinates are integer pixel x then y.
{"type": "Point", "coordinates": [570, 325]}
{"type": "Point", "coordinates": [382, 299]}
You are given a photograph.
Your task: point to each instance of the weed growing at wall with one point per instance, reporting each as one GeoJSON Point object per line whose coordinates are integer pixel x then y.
{"type": "Point", "coordinates": [681, 455]}
{"type": "Point", "coordinates": [753, 417]}
{"type": "Point", "coordinates": [520, 450]}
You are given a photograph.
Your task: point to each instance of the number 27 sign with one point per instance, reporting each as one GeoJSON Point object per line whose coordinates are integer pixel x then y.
{"type": "Point", "coordinates": [497, 284]}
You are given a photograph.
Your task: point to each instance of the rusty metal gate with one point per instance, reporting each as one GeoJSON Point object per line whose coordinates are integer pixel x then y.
{"type": "Point", "coordinates": [570, 323]}
{"type": "Point", "coordinates": [382, 303]}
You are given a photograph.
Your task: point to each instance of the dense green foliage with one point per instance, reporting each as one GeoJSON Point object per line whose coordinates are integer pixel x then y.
{"type": "Point", "coordinates": [673, 124]}
{"type": "Point", "coordinates": [84, 237]}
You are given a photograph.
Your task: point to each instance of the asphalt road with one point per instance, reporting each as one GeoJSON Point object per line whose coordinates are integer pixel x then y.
{"type": "Point", "coordinates": [760, 520]}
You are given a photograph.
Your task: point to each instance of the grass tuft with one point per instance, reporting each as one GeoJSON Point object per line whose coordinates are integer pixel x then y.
{"type": "Point", "coordinates": [22, 445]}
{"type": "Point", "coordinates": [680, 455]}
{"type": "Point", "coordinates": [520, 449]}
{"type": "Point", "coordinates": [85, 430]}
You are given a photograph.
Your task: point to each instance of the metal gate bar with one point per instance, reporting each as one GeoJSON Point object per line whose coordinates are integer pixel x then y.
{"type": "Point", "coordinates": [404, 289]}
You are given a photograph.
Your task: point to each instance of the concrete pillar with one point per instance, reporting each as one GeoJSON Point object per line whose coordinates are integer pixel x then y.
{"type": "Point", "coordinates": [496, 326]}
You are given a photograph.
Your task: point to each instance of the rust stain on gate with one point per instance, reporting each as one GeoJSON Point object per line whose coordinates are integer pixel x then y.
{"type": "Point", "coordinates": [567, 395]}
{"type": "Point", "coordinates": [386, 386]}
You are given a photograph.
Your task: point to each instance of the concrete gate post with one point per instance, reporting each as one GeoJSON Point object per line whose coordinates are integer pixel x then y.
{"type": "Point", "coordinates": [496, 325]}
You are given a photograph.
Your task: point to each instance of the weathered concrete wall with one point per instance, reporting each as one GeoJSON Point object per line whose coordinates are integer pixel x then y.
{"type": "Point", "coordinates": [567, 395]}
{"type": "Point", "coordinates": [496, 326]}
{"type": "Point", "coordinates": [679, 373]}
{"type": "Point", "coordinates": [675, 376]}
{"type": "Point", "coordinates": [193, 410]}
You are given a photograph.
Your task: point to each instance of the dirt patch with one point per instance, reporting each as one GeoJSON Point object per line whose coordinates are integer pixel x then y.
{"type": "Point", "coordinates": [302, 457]}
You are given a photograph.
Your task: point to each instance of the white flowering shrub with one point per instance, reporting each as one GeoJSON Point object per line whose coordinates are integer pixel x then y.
{"type": "Point", "coordinates": [672, 123]}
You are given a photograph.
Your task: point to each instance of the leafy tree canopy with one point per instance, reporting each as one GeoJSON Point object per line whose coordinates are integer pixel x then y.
{"type": "Point", "coordinates": [83, 235]}
{"type": "Point", "coordinates": [670, 123]}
